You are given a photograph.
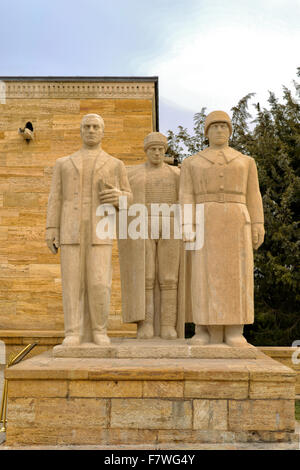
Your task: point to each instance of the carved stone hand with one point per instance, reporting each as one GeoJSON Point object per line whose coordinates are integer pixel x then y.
{"type": "Point", "coordinates": [110, 196]}
{"type": "Point", "coordinates": [52, 239]}
{"type": "Point", "coordinates": [258, 234]}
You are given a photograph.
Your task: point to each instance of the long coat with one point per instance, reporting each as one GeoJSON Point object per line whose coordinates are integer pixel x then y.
{"type": "Point", "coordinates": [221, 287]}
{"type": "Point", "coordinates": [64, 204]}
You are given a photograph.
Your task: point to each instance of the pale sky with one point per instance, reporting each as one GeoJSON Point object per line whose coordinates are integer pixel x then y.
{"type": "Point", "coordinates": [205, 52]}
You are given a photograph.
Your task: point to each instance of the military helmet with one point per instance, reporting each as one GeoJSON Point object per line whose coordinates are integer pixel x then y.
{"type": "Point", "coordinates": [217, 116]}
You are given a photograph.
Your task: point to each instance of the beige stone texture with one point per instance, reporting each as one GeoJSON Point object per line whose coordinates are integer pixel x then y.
{"type": "Point", "coordinates": [38, 389]}
{"type": "Point", "coordinates": [163, 389]}
{"type": "Point", "coordinates": [106, 388]}
{"type": "Point", "coordinates": [261, 415]}
{"type": "Point", "coordinates": [263, 390]}
{"type": "Point", "coordinates": [157, 348]}
{"type": "Point", "coordinates": [117, 401]}
{"type": "Point", "coordinates": [74, 435]}
{"type": "Point", "coordinates": [237, 389]}
{"type": "Point", "coordinates": [151, 414]}
{"type": "Point", "coordinates": [134, 436]}
{"type": "Point", "coordinates": [21, 412]}
{"type": "Point", "coordinates": [222, 352]}
{"type": "Point", "coordinates": [152, 369]}
{"type": "Point", "coordinates": [197, 437]}
{"type": "Point", "coordinates": [73, 411]}
{"type": "Point", "coordinates": [211, 415]}
{"type": "Point", "coordinates": [285, 356]}
{"type": "Point", "coordinates": [150, 440]}
{"type": "Point", "coordinates": [58, 412]}
{"type": "Point", "coordinates": [55, 109]}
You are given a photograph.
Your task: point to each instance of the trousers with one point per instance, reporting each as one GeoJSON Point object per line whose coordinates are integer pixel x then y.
{"type": "Point", "coordinates": [86, 282]}
{"type": "Point", "coordinates": [163, 255]}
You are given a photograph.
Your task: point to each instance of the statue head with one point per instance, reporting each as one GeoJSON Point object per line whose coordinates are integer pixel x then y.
{"type": "Point", "coordinates": [218, 127]}
{"type": "Point", "coordinates": [155, 146]}
{"type": "Point", "coordinates": [92, 130]}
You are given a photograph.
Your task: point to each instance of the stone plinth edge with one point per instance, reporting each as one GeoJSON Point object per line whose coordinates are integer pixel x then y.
{"type": "Point", "coordinates": [157, 348]}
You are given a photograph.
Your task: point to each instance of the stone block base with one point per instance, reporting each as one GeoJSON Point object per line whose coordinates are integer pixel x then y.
{"type": "Point", "coordinates": [110, 401]}
{"type": "Point", "coordinates": [16, 339]}
{"type": "Point", "coordinates": [124, 348]}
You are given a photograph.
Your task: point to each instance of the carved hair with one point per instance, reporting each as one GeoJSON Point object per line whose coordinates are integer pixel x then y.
{"type": "Point", "coordinates": [96, 116]}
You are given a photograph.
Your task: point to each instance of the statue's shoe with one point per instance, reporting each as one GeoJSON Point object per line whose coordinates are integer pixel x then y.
{"type": "Point", "coordinates": [200, 340]}
{"type": "Point", "coordinates": [236, 341]}
{"type": "Point", "coordinates": [145, 330]}
{"type": "Point", "coordinates": [101, 339]}
{"type": "Point", "coordinates": [168, 332]}
{"type": "Point", "coordinates": [202, 337]}
{"type": "Point", "coordinates": [70, 341]}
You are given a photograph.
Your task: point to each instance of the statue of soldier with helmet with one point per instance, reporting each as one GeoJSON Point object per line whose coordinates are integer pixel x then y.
{"type": "Point", "coordinates": [225, 181]}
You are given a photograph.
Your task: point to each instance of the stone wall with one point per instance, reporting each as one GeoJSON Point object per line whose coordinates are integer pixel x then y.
{"type": "Point", "coordinates": [58, 401]}
{"type": "Point", "coordinates": [289, 357]}
{"type": "Point", "coordinates": [2, 366]}
{"type": "Point", "coordinates": [30, 280]}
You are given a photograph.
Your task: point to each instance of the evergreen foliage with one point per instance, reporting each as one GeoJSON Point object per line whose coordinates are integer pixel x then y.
{"type": "Point", "coordinates": [272, 138]}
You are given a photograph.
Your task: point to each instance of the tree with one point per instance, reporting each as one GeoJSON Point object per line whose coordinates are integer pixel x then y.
{"type": "Point", "coordinates": [273, 140]}
{"type": "Point", "coordinates": [182, 145]}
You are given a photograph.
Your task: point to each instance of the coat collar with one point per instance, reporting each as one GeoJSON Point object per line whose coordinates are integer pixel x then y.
{"type": "Point", "coordinates": [211, 154]}
{"type": "Point", "coordinates": [100, 160]}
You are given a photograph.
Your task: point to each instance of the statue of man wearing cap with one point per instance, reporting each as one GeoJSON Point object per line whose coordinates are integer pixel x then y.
{"type": "Point", "coordinates": [154, 264]}
{"type": "Point", "coordinates": [226, 182]}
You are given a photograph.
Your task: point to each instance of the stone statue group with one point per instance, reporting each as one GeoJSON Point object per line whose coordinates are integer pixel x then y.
{"type": "Point", "coordinates": [163, 284]}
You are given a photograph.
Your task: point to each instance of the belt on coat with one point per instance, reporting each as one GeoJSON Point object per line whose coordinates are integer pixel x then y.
{"type": "Point", "coordinates": [221, 197]}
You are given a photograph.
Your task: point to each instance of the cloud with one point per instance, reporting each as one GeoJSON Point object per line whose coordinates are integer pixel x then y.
{"type": "Point", "coordinates": [221, 61]}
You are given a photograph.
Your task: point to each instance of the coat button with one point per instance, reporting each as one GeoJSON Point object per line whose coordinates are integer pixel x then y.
{"type": "Point", "coordinates": [221, 187]}
{"type": "Point", "coordinates": [221, 175]}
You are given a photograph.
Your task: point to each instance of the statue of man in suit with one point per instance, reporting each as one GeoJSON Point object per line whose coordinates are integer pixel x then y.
{"type": "Point", "coordinates": [78, 187]}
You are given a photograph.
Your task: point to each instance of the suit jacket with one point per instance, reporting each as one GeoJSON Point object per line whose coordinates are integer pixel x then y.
{"type": "Point", "coordinates": [64, 204]}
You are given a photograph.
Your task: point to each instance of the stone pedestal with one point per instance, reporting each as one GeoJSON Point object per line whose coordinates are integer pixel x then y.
{"type": "Point", "coordinates": [156, 348]}
{"type": "Point", "coordinates": [150, 400]}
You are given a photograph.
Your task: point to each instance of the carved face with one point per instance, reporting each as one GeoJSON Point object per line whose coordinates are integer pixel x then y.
{"type": "Point", "coordinates": [156, 154]}
{"type": "Point", "coordinates": [218, 133]}
{"type": "Point", "coordinates": [91, 131]}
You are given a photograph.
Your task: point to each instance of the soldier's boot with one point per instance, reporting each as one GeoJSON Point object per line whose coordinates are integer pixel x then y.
{"type": "Point", "coordinates": [145, 328]}
{"type": "Point", "coordinates": [234, 336]}
{"type": "Point", "coordinates": [168, 313]}
{"type": "Point", "coordinates": [216, 333]}
{"type": "Point", "coordinates": [201, 336]}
